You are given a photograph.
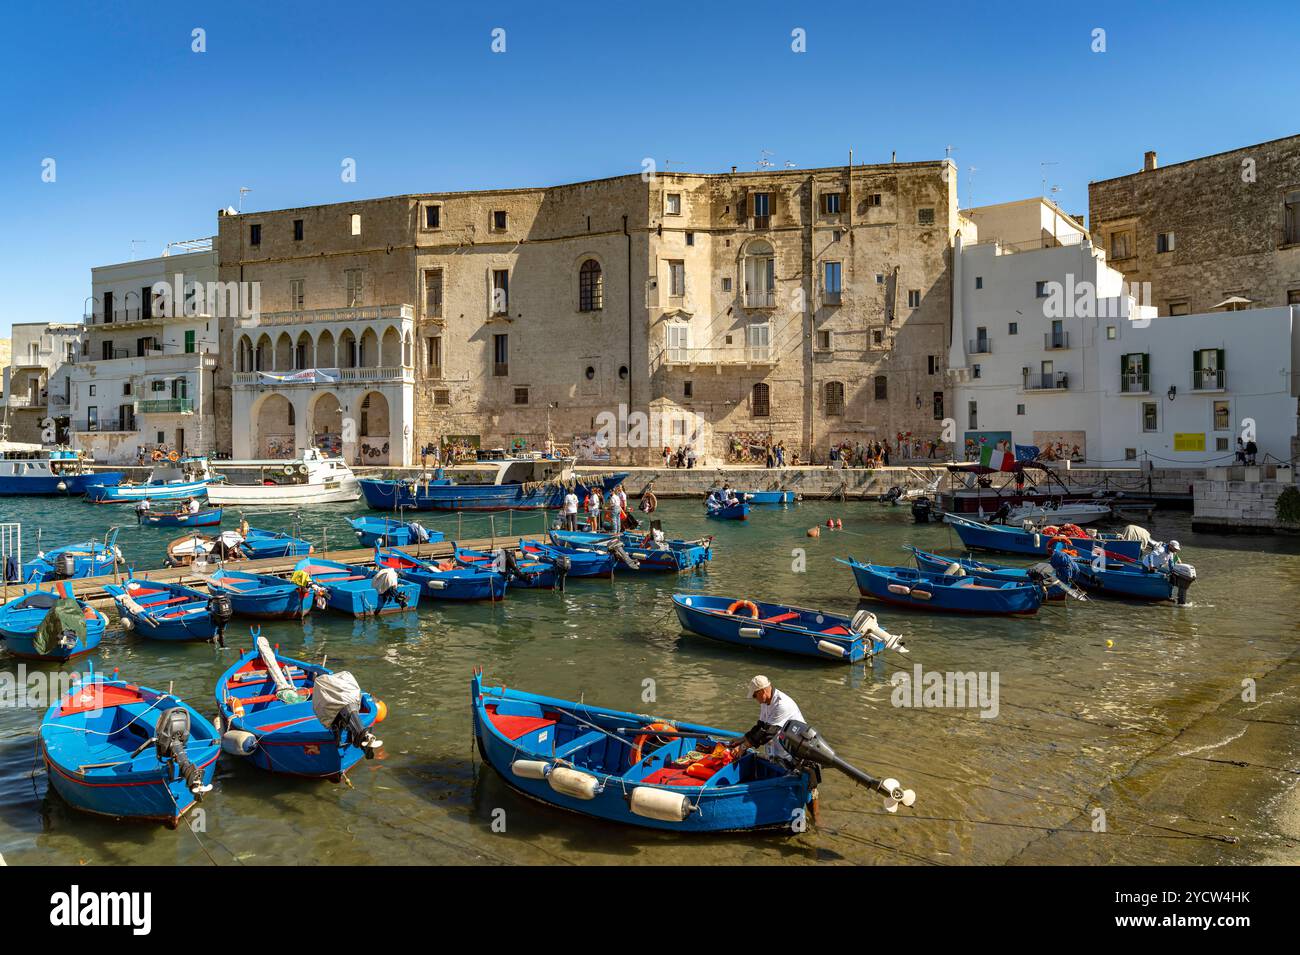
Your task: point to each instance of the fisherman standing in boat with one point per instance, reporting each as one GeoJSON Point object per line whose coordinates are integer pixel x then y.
{"type": "Point", "coordinates": [142, 510]}
{"type": "Point", "coordinates": [775, 709]}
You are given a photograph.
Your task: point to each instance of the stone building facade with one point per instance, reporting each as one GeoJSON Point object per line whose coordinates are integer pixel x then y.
{"type": "Point", "coordinates": [802, 306]}
{"type": "Point", "coordinates": [1206, 230]}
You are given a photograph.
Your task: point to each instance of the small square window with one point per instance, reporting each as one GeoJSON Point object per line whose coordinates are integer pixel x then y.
{"type": "Point", "coordinates": [499, 220]}
{"type": "Point", "coordinates": [1293, 296]}
{"type": "Point", "coordinates": [92, 391]}
{"type": "Point", "coordinates": [688, 389]}
{"type": "Point", "coordinates": [925, 217]}
{"type": "Point", "coordinates": [914, 298]}
{"type": "Point", "coordinates": [356, 223]}
{"type": "Point", "coordinates": [673, 204]}
{"type": "Point", "coordinates": [442, 396]}
{"type": "Point", "coordinates": [1111, 333]}
{"type": "Point", "coordinates": [975, 371]}
{"type": "Point", "coordinates": [1013, 328]}
{"type": "Point", "coordinates": [297, 230]}
{"type": "Point", "coordinates": [726, 283]}
{"type": "Point", "coordinates": [979, 281]}
{"type": "Point", "coordinates": [877, 337]}
{"type": "Point", "coordinates": [521, 396]}
{"type": "Point", "coordinates": [1040, 290]}
{"type": "Point", "coordinates": [690, 238]}
{"type": "Point", "coordinates": [1164, 242]}
{"type": "Point", "coordinates": [1220, 444]}
{"type": "Point", "coordinates": [824, 340]}
{"type": "Point", "coordinates": [126, 387]}
{"type": "Point", "coordinates": [873, 199]}
{"type": "Point", "coordinates": [830, 203]}
{"type": "Point", "coordinates": [433, 217]}
{"type": "Point", "coordinates": [255, 234]}
{"type": "Point", "coordinates": [1179, 308]}
{"type": "Point", "coordinates": [1130, 454]}
{"type": "Point", "coordinates": [1020, 409]}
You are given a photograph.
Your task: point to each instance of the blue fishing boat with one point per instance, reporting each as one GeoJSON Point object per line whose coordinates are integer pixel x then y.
{"type": "Point", "coordinates": [573, 561]}
{"type": "Point", "coordinates": [768, 497]}
{"type": "Point", "coordinates": [808, 633]}
{"type": "Point", "coordinates": [1016, 540]}
{"type": "Point", "coordinates": [360, 591]}
{"type": "Point", "coordinates": [493, 483]}
{"type": "Point", "coordinates": [923, 590]}
{"type": "Point", "coordinates": [164, 611]}
{"type": "Point", "coordinates": [83, 559]}
{"type": "Point", "coordinates": [738, 511]}
{"type": "Point", "coordinates": [939, 564]}
{"type": "Point", "coordinates": [646, 771]}
{"type": "Point", "coordinates": [522, 571]}
{"type": "Point", "coordinates": [1134, 581]}
{"type": "Point", "coordinates": [204, 517]}
{"type": "Point", "coordinates": [116, 749]}
{"type": "Point", "coordinates": [390, 532]}
{"type": "Point", "coordinates": [258, 543]}
{"type": "Point", "coordinates": [36, 469]}
{"type": "Point", "coordinates": [170, 480]}
{"type": "Point", "coordinates": [643, 550]}
{"type": "Point", "coordinates": [295, 718]}
{"type": "Point", "coordinates": [445, 580]}
{"type": "Point", "coordinates": [50, 625]}
{"type": "Point", "coordinates": [261, 596]}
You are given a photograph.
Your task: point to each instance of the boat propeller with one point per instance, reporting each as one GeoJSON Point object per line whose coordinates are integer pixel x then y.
{"type": "Point", "coordinates": [806, 745]}
{"type": "Point", "coordinates": [171, 735]}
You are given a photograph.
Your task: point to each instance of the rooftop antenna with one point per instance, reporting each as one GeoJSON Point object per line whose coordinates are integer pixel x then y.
{"type": "Point", "coordinates": [764, 162]}
{"type": "Point", "coordinates": [948, 151]}
{"type": "Point", "coordinates": [789, 164]}
{"type": "Point", "coordinates": [970, 183]}
{"type": "Point", "coordinates": [134, 243]}
{"type": "Point", "coordinates": [243, 191]}
{"type": "Point", "coordinates": [1043, 166]}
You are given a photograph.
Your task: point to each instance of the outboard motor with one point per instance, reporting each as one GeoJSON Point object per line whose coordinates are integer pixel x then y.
{"type": "Point", "coordinates": [1182, 576]}
{"type": "Point", "coordinates": [806, 745]}
{"type": "Point", "coordinates": [891, 496]}
{"type": "Point", "coordinates": [513, 570]}
{"type": "Point", "coordinates": [562, 565]}
{"type": "Point", "coordinates": [615, 547]}
{"type": "Point", "coordinates": [1003, 512]}
{"type": "Point", "coordinates": [222, 611]}
{"type": "Point", "coordinates": [336, 702]}
{"type": "Point", "coordinates": [386, 584]}
{"type": "Point", "coordinates": [67, 565]}
{"type": "Point", "coordinates": [922, 510]}
{"type": "Point", "coordinates": [170, 736]}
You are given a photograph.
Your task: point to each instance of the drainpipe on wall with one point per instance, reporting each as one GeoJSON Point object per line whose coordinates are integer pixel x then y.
{"type": "Point", "coordinates": [628, 236]}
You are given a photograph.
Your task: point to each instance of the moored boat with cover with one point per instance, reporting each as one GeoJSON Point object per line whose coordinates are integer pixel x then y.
{"type": "Point", "coordinates": [50, 625]}
{"type": "Point", "coordinates": [359, 591]}
{"type": "Point", "coordinates": [923, 590]}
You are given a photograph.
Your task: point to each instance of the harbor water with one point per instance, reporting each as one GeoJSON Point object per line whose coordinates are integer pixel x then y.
{"type": "Point", "coordinates": [1115, 732]}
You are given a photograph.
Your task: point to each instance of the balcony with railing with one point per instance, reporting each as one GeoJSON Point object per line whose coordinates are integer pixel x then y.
{"type": "Point", "coordinates": [1050, 381]}
{"type": "Point", "coordinates": [164, 406]}
{"type": "Point", "coordinates": [379, 375]}
{"type": "Point", "coordinates": [1054, 341]}
{"type": "Point", "coordinates": [725, 355]}
{"type": "Point", "coordinates": [760, 298]}
{"type": "Point", "coordinates": [1209, 379]}
{"type": "Point", "coordinates": [140, 316]}
{"type": "Point", "coordinates": [980, 346]}
{"type": "Point", "coordinates": [1135, 383]}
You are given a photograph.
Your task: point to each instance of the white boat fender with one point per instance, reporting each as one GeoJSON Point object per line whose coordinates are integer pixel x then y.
{"type": "Point", "coordinates": [653, 803]}
{"type": "Point", "coordinates": [128, 623]}
{"type": "Point", "coordinates": [898, 795]}
{"type": "Point", "coordinates": [899, 589]}
{"type": "Point", "coordinates": [751, 631]}
{"type": "Point", "coordinates": [920, 594]}
{"type": "Point", "coordinates": [571, 782]}
{"type": "Point", "coordinates": [238, 742]}
{"type": "Point", "coordinates": [530, 768]}
{"type": "Point", "coordinates": [437, 585]}
{"type": "Point", "coordinates": [954, 570]}
{"type": "Point", "coordinates": [831, 649]}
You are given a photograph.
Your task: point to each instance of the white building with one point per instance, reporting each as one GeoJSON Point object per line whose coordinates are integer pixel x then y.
{"type": "Point", "coordinates": [144, 380]}
{"type": "Point", "coordinates": [34, 407]}
{"type": "Point", "coordinates": [1050, 348]}
{"type": "Point", "coordinates": [342, 380]}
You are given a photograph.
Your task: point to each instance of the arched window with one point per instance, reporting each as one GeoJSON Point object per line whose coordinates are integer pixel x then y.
{"type": "Point", "coordinates": [833, 397]}
{"type": "Point", "coordinates": [762, 407]}
{"type": "Point", "coordinates": [591, 287]}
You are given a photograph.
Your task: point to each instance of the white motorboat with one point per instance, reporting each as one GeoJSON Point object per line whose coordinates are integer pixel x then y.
{"type": "Point", "coordinates": [1065, 512]}
{"type": "Point", "coordinates": [309, 478]}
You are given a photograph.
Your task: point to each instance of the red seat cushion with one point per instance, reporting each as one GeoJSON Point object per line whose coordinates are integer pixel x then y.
{"type": "Point", "coordinates": [780, 618]}
{"type": "Point", "coordinates": [672, 777]}
{"type": "Point", "coordinates": [514, 727]}
{"type": "Point", "coordinates": [836, 631]}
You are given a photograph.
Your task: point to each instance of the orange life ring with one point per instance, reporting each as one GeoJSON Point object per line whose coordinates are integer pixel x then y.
{"type": "Point", "coordinates": [157, 455]}
{"type": "Point", "coordinates": [737, 604]}
{"type": "Point", "coordinates": [173, 457]}
{"type": "Point", "coordinates": [641, 740]}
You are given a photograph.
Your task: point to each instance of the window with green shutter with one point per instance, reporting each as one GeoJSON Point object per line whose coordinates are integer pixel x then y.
{"type": "Point", "coordinates": [189, 342]}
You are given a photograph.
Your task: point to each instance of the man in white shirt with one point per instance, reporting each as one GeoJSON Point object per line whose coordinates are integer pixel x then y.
{"type": "Point", "coordinates": [1163, 557]}
{"type": "Point", "coordinates": [593, 508]}
{"type": "Point", "coordinates": [775, 709]}
{"type": "Point", "coordinates": [570, 511]}
{"type": "Point", "coordinates": [193, 506]}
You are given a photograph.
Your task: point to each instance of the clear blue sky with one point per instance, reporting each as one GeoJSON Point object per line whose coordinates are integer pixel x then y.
{"type": "Point", "coordinates": [150, 139]}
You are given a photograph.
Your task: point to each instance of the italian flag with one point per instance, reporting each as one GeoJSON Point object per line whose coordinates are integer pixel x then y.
{"type": "Point", "coordinates": [997, 460]}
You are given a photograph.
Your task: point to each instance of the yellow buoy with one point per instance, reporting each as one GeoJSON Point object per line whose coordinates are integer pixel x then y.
{"type": "Point", "coordinates": [1110, 644]}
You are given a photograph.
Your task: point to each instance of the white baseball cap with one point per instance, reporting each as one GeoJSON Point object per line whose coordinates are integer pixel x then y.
{"type": "Point", "coordinates": [759, 682]}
